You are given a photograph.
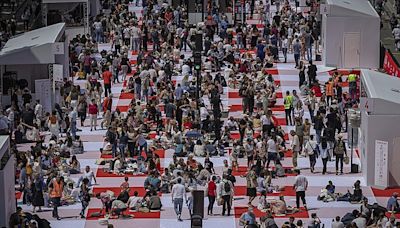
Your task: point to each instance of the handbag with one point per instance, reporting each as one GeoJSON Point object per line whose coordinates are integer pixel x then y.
{"type": "Point", "coordinates": [220, 201]}
{"type": "Point", "coordinates": [346, 160]}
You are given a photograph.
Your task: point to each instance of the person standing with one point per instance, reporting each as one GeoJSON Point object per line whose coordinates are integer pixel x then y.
{"type": "Point", "coordinates": [178, 194]}
{"type": "Point", "coordinates": [107, 76]}
{"type": "Point", "coordinates": [295, 144]}
{"type": "Point", "coordinates": [93, 110]}
{"type": "Point", "coordinates": [73, 115]}
{"type": "Point", "coordinates": [300, 186]}
{"type": "Point", "coordinates": [56, 188]}
{"type": "Point", "coordinates": [211, 193]}
{"type": "Point", "coordinates": [340, 152]}
{"type": "Point", "coordinates": [288, 105]}
{"type": "Point", "coordinates": [226, 194]}
{"type": "Point", "coordinates": [296, 51]}
{"type": "Point", "coordinates": [37, 193]}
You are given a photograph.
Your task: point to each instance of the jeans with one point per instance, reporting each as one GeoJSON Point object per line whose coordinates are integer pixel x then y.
{"type": "Point", "coordinates": [318, 135]}
{"type": "Point", "coordinates": [226, 205]}
{"type": "Point", "coordinates": [296, 59]}
{"type": "Point", "coordinates": [99, 35]}
{"type": "Point", "coordinates": [73, 129]}
{"type": "Point", "coordinates": [138, 91]}
{"type": "Point", "coordinates": [211, 200]}
{"type": "Point", "coordinates": [339, 158]}
{"type": "Point", "coordinates": [300, 195]}
{"type": "Point", "coordinates": [135, 44]}
{"type": "Point", "coordinates": [312, 161]}
{"type": "Point", "coordinates": [122, 150]}
{"type": "Point", "coordinates": [85, 204]}
{"type": "Point", "coordinates": [288, 116]}
{"type": "Point", "coordinates": [324, 162]}
{"type": "Point", "coordinates": [239, 41]}
{"type": "Point", "coordinates": [114, 149]}
{"type": "Point", "coordinates": [284, 50]}
{"type": "Point", "coordinates": [309, 53]}
{"type": "Point", "coordinates": [178, 204]}
{"type": "Point", "coordinates": [56, 204]}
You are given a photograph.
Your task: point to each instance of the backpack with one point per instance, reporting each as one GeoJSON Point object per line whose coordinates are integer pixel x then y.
{"type": "Point", "coordinates": [227, 187]}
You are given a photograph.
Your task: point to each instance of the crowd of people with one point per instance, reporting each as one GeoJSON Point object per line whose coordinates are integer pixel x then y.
{"type": "Point", "coordinates": [237, 57]}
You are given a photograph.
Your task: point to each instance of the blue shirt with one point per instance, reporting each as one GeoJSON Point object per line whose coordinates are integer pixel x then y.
{"type": "Point", "coordinates": [178, 93]}
{"type": "Point", "coordinates": [392, 204]}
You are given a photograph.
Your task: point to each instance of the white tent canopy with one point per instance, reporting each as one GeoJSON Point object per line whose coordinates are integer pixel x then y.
{"type": "Point", "coordinates": [381, 86]}
{"type": "Point", "coordinates": [34, 47]}
{"type": "Point", "coordinates": [354, 8]}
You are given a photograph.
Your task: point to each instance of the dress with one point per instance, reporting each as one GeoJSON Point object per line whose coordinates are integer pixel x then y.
{"type": "Point", "coordinates": [37, 194]}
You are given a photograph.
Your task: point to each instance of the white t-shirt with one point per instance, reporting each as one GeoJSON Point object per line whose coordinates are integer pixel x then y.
{"type": "Point", "coordinates": [178, 191]}
{"type": "Point", "coordinates": [271, 146]}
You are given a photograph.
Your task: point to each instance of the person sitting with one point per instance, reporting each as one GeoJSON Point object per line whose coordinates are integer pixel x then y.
{"type": "Point", "coordinates": [134, 201]}
{"type": "Point", "coordinates": [154, 201]}
{"type": "Point", "coordinates": [280, 208]}
{"type": "Point", "coordinates": [392, 204]}
{"type": "Point", "coordinates": [248, 218]}
{"type": "Point", "coordinates": [357, 195]}
{"type": "Point", "coordinates": [280, 171]}
{"type": "Point", "coordinates": [118, 207]}
{"type": "Point", "coordinates": [124, 195]}
{"type": "Point", "coordinates": [348, 218]}
{"type": "Point", "coordinates": [199, 149]}
{"type": "Point", "coordinates": [263, 205]}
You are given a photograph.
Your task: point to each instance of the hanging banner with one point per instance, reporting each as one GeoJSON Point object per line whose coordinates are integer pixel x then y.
{"type": "Point", "coordinates": [58, 72]}
{"type": "Point", "coordinates": [381, 163]}
{"type": "Point", "coordinates": [43, 93]}
{"type": "Point", "coordinates": [390, 65]}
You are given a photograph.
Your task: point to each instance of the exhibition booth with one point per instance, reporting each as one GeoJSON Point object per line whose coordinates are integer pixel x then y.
{"type": "Point", "coordinates": [37, 60]}
{"type": "Point", "coordinates": [7, 181]}
{"type": "Point", "coordinates": [349, 34]}
{"type": "Point", "coordinates": [379, 134]}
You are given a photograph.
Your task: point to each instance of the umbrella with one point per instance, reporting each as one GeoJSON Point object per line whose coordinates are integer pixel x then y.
{"type": "Point", "coordinates": [193, 134]}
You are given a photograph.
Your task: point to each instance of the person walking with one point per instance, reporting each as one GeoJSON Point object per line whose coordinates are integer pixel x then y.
{"type": "Point", "coordinates": [296, 51]}
{"type": "Point", "coordinates": [324, 152]}
{"type": "Point", "coordinates": [251, 180]}
{"type": "Point", "coordinates": [340, 151]}
{"type": "Point", "coordinates": [93, 111]}
{"type": "Point", "coordinates": [311, 149]}
{"type": "Point", "coordinates": [84, 196]}
{"type": "Point", "coordinates": [107, 76]}
{"type": "Point", "coordinates": [226, 193]}
{"type": "Point", "coordinates": [178, 194]}
{"type": "Point", "coordinates": [56, 188]}
{"type": "Point", "coordinates": [211, 194]}
{"type": "Point", "coordinates": [300, 186]}
{"type": "Point", "coordinates": [295, 144]}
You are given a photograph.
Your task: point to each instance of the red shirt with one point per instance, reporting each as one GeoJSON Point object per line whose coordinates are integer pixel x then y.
{"type": "Point", "coordinates": [107, 77]}
{"type": "Point", "coordinates": [212, 187]}
{"type": "Point", "coordinates": [93, 109]}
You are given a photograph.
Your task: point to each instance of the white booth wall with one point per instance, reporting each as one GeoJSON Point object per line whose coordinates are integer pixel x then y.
{"type": "Point", "coordinates": [7, 182]}
{"type": "Point", "coordinates": [384, 128]}
{"type": "Point", "coordinates": [335, 29]}
{"type": "Point", "coordinates": [380, 124]}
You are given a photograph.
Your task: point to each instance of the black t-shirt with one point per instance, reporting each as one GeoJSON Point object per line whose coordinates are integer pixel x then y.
{"type": "Point", "coordinates": [124, 61]}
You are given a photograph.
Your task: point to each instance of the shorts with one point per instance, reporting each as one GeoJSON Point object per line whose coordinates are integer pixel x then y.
{"type": "Point", "coordinates": [251, 192]}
